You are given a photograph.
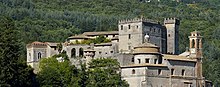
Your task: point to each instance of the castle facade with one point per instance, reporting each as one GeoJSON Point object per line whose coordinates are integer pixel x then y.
{"type": "Point", "coordinates": [147, 52]}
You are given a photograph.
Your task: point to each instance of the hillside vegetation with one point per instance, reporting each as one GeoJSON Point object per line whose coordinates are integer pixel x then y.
{"type": "Point", "coordinates": [55, 20]}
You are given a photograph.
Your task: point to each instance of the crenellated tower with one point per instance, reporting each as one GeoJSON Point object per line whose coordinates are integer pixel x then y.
{"type": "Point", "coordinates": [133, 31]}
{"type": "Point", "coordinates": [172, 28]}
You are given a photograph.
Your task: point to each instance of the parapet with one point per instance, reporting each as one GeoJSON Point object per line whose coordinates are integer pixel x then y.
{"type": "Point", "coordinates": [171, 21]}
{"type": "Point", "coordinates": [135, 20]}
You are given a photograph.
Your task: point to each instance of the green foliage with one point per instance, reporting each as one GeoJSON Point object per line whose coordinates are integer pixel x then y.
{"type": "Point", "coordinates": [97, 40]}
{"type": "Point", "coordinates": [13, 71]}
{"type": "Point", "coordinates": [55, 20]}
{"type": "Point", "coordinates": [101, 72]}
{"type": "Point", "coordinates": [60, 47]}
{"type": "Point", "coordinates": [105, 72]}
{"type": "Point", "coordinates": [56, 74]}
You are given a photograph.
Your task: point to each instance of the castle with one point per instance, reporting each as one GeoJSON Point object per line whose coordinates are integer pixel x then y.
{"type": "Point", "coordinates": [146, 50]}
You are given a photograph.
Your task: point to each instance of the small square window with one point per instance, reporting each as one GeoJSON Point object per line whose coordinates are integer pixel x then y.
{"type": "Point", "coordinates": [129, 26]}
{"type": "Point", "coordinates": [133, 71]}
{"type": "Point", "coordinates": [146, 60]}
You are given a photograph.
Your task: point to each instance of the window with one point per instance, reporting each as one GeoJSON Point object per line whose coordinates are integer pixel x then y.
{"type": "Point", "coordinates": [139, 61]}
{"type": "Point", "coordinates": [159, 71]}
{"type": "Point", "coordinates": [39, 55]}
{"type": "Point", "coordinates": [81, 52]}
{"type": "Point", "coordinates": [155, 61]}
{"type": "Point", "coordinates": [197, 43]}
{"type": "Point", "coordinates": [73, 52]}
{"type": "Point", "coordinates": [129, 26]}
{"type": "Point", "coordinates": [132, 60]}
{"type": "Point", "coordinates": [129, 36]}
{"type": "Point", "coordinates": [137, 26]}
{"type": "Point", "coordinates": [129, 47]}
{"type": "Point", "coordinates": [193, 43]}
{"type": "Point", "coordinates": [106, 35]}
{"type": "Point", "coordinates": [100, 52]}
{"type": "Point", "coordinates": [133, 71]}
{"type": "Point", "coordinates": [168, 35]}
{"type": "Point", "coordinates": [183, 72]}
{"type": "Point", "coordinates": [111, 51]}
{"type": "Point", "coordinates": [172, 71]}
{"type": "Point", "coordinates": [121, 27]}
{"type": "Point", "coordinates": [146, 60]}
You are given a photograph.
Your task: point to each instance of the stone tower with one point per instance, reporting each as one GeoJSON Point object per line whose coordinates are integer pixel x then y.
{"type": "Point", "coordinates": [36, 51]}
{"type": "Point", "coordinates": [196, 52]}
{"type": "Point", "coordinates": [132, 33]}
{"type": "Point", "coordinates": [172, 28]}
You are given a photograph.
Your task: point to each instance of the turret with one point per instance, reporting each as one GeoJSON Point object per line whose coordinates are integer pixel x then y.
{"type": "Point", "coordinates": [195, 44]}
{"type": "Point", "coordinates": [196, 52]}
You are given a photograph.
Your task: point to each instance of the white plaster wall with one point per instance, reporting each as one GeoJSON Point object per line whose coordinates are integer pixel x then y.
{"type": "Point", "coordinates": [142, 57]}
{"type": "Point", "coordinates": [134, 80]}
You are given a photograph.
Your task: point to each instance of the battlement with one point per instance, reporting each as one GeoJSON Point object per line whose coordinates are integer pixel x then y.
{"type": "Point", "coordinates": [171, 21]}
{"type": "Point", "coordinates": [137, 20]}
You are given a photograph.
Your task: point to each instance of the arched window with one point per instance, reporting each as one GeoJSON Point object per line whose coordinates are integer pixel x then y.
{"type": "Point", "coordinates": [73, 52]}
{"type": "Point", "coordinates": [39, 55]}
{"type": "Point", "coordinates": [81, 52]}
{"type": "Point", "coordinates": [193, 43]}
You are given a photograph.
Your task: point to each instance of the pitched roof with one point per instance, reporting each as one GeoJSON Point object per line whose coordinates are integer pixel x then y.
{"type": "Point", "coordinates": [178, 58]}
{"type": "Point", "coordinates": [101, 33]}
{"type": "Point", "coordinates": [78, 37]}
{"type": "Point", "coordinates": [51, 43]}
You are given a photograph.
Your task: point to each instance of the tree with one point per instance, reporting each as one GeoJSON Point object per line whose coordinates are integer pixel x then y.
{"type": "Point", "coordinates": [13, 71]}
{"type": "Point", "coordinates": [57, 74]}
{"type": "Point", "coordinates": [60, 47]}
{"type": "Point", "coordinates": [104, 72]}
